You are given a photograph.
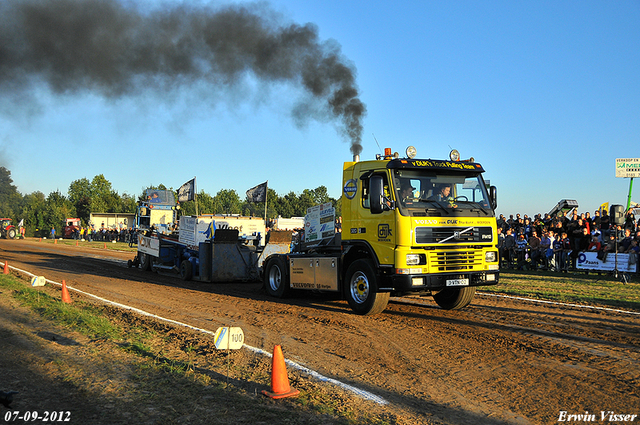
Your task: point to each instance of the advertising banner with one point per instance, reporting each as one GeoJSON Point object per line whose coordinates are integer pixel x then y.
{"type": "Point", "coordinates": [589, 261]}
{"type": "Point", "coordinates": [627, 167]}
{"type": "Point", "coordinates": [320, 222]}
{"type": "Point", "coordinates": [148, 245]}
{"type": "Point", "coordinates": [194, 230]}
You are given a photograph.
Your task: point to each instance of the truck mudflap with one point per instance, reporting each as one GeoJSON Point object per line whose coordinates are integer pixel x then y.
{"type": "Point", "coordinates": [418, 282]}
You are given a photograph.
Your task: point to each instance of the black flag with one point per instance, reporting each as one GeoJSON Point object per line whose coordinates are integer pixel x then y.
{"type": "Point", "coordinates": [258, 193]}
{"type": "Point", "coordinates": [187, 191]}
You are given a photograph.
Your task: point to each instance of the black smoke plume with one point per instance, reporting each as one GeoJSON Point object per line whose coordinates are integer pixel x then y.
{"type": "Point", "coordinates": [118, 49]}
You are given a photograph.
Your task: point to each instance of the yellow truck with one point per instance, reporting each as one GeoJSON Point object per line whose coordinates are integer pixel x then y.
{"type": "Point", "coordinates": [409, 226]}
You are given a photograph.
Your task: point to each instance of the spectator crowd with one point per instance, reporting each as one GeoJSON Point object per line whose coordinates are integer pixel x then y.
{"type": "Point", "coordinates": [104, 234]}
{"type": "Point", "coordinates": [555, 242]}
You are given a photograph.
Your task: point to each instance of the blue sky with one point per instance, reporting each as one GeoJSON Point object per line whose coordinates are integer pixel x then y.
{"type": "Point", "coordinates": [544, 94]}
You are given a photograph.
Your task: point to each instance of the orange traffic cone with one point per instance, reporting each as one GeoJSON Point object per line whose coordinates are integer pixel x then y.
{"type": "Point", "coordinates": [65, 293]}
{"type": "Point", "coordinates": [6, 267]}
{"type": "Point", "coordinates": [279, 380]}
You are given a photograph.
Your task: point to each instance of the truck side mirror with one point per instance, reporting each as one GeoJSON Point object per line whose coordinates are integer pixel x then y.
{"type": "Point", "coordinates": [493, 193]}
{"type": "Point", "coordinates": [376, 194]}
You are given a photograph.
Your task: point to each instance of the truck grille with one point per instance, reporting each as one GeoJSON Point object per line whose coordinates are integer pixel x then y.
{"type": "Point", "coordinates": [453, 235]}
{"type": "Point", "coordinates": [449, 261]}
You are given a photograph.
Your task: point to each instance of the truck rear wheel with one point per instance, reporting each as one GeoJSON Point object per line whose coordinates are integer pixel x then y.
{"type": "Point", "coordinates": [361, 289]}
{"type": "Point", "coordinates": [455, 298]}
{"type": "Point", "coordinates": [186, 270]}
{"type": "Point", "coordinates": [145, 261]}
{"type": "Point", "coordinates": [276, 281]}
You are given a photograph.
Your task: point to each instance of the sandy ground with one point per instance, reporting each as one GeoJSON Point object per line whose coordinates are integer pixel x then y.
{"type": "Point", "coordinates": [497, 361]}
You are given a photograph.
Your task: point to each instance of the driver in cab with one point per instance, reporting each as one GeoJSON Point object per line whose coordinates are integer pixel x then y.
{"type": "Point", "coordinates": [406, 192]}
{"type": "Point", "coordinates": [443, 194]}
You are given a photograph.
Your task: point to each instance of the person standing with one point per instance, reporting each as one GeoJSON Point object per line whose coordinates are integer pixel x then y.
{"type": "Point", "coordinates": [557, 252]}
{"type": "Point", "coordinates": [605, 224]}
{"type": "Point", "coordinates": [535, 246]}
{"type": "Point", "coordinates": [501, 253]}
{"type": "Point", "coordinates": [595, 221]}
{"type": "Point", "coordinates": [510, 247]}
{"type": "Point", "coordinates": [565, 262]}
{"type": "Point", "coordinates": [549, 257]}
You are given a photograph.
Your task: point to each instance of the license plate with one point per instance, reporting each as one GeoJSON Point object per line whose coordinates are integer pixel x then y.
{"type": "Point", "coordinates": [457, 282]}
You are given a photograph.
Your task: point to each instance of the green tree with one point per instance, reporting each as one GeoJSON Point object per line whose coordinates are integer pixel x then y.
{"type": "Point", "coordinates": [33, 214]}
{"type": "Point", "coordinates": [128, 204]}
{"type": "Point", "coordinates": [10, 198]}
{"type": "Point", "coordinates": [80, 196]}
{"type": "Point", "coordinates": [56, 209]}
{"type": "Point", "coordinates": [227, 202]}
{"type": "Point", "coordinates": [79, 189]}
{"type": "Point", "coordinates": [289, 205]}
{"type": "Point", "coordinates": [320, 195]}
{"type": "Point", "coordinates": [306, 200]}
{"type": "Point", "coordinates": [101, 194]}
{"type": "Point", "coordinates": [205, 205]}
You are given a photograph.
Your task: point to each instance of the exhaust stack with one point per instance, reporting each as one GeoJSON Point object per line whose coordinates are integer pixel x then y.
{"type": "Point", "coordinates": [356, 158]}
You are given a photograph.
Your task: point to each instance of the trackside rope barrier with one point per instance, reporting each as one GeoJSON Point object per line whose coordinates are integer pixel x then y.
{"type": "Point", "coordinates": [362, 393]}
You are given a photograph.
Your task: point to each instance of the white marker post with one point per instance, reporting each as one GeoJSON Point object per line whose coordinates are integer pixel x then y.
{"type": "Point", "coordinates": [229, 338]}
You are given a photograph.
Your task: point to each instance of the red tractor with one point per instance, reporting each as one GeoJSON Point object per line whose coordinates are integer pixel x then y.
{"type": "Point", "coordinates": [70, 228]}
{"type": "Point", "coordinates": [7, 230]}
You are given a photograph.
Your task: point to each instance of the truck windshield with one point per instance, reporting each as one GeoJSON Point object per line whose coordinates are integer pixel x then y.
{"type": "Point", "coordinates": [416, 191]}
{"type": "Point", "coordinates": [160, 197]}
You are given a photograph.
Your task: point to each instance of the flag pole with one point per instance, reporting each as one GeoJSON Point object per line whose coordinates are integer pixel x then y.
{"type": "Point", "coordinates": [195, 195]}
{"type": "Point", "coordinates": [266, 194]}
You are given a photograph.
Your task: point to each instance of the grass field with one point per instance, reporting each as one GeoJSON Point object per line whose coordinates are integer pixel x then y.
{"type": "Point", "coordinates": [578, 288]}
{"type": "Point", "coordinates": [116, 246]}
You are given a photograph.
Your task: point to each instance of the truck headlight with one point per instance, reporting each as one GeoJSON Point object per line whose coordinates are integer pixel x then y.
{"type": "Point", "coordinates": [490, 257]}
{"type": "Point", "coordinates": [413, 259]}
{"type": "Point", "coordinates": [416, 259]}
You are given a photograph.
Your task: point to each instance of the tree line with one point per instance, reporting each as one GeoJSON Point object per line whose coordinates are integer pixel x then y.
{"type": "Point", "coordinates": [84, 197]}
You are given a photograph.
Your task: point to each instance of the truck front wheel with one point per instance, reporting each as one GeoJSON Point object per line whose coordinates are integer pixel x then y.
{"type": "Point", "coordinates": [361, 289]}
{"type": "Point", "coordinates": [455, 298]}
{"type": "Point", "coordinates": [275, 278]}
{"type": "Point", "coordinates": [11, 233]}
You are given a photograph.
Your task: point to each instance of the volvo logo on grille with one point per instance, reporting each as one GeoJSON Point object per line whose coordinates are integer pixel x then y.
{"type": "Point", "coordinates": [456, 235]}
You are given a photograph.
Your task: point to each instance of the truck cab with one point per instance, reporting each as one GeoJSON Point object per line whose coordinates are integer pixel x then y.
{"type": "Point", "coordinates": [157, 211]}
{"type": "Point", "coordinates": [70, 227]}
{"type": "Point", "coordinates": [424, 226]}
{"type": "Point", "coordinates": [409, 227]}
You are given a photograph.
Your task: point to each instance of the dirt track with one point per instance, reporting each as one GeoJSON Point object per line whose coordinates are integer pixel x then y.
{"type": "Point", "coordinates": [498, 361]}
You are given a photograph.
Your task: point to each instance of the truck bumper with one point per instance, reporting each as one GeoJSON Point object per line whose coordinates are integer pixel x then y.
{"type": "Point", "coordinates": [421, 282]}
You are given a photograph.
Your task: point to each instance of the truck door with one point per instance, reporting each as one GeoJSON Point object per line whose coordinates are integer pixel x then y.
{"type": "Point", "coordinates": [377, 215]}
